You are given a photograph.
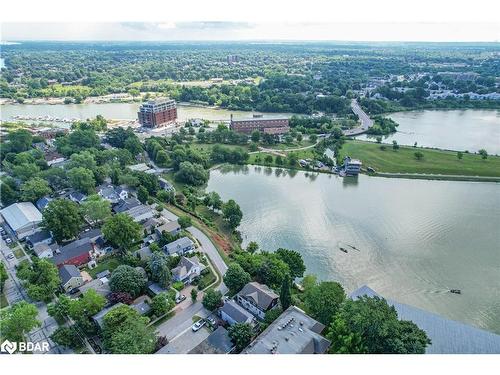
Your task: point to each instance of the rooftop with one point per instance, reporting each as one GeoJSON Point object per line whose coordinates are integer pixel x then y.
{"type": "Point", "coordinates": [185, 265]}
{"type": "Point", "coordinates": [447, 336]}
{"type": "Point", "coordinates": [261, 294]}
{"type": "Point", "coordinates": [217, 343]}
{"type": "Point", "coordinates": [72, 250]}
{"type": "Point", "coordinates": [18, 215]}
{"type": "Point", "coordinates": [293, 332]}
{"type": "Point", "coordinates": [67, 272]}
{"type": "Point", "coordinates": [236, 312]}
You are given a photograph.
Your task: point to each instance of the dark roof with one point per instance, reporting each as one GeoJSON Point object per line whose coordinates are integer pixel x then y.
{"type": "Point", "coordinates": [102, 274]}
{"type": "Point", "coordinates": [39, 236]}
{"type": "Point", "coordinates": [91, 234]}
{"type": "Point", "coordinates": [76, 195]}
{"type": "Point", "coordinates": [236, 312]}
{"type": "Point", "coordinates": [67, 272]}
{"type": "Point", "coordinates": [126, 204]}
{"type": "Point", "coordinates": [260, 294]}
{"type": "Point", "coordinates": [72, 250]}
{"type": "Point", "coordinates": [217, 343]}
{"type": "Point", "coordinates": [447, 336]}
{"type": "Point", "coordinates": [42, 202]}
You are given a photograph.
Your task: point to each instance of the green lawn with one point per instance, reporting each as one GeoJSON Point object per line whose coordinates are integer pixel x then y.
{"type": "Point", "coordinates": [18, 252]}
{"type": "Point", "coordinates": [3, 301]}
{"type": "Point", "coordinates": [107, 264]}
{"type": "Point", "coordinates": [433, 162]}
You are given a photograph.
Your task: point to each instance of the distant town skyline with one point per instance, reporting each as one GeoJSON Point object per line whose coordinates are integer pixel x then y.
{"type": "Point", "coordinates": [241, 31]}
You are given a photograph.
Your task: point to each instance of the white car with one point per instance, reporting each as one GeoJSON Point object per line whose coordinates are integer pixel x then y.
{"type": "Point", "coordinates": [10, 256]}
{"type": "Point", "coordinates": [197, 326]}
{"type": "Point", "coordinates": [8, 241]}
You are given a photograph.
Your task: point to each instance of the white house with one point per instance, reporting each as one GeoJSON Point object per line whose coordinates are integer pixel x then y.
{"type": "Point", "coordinates": [182, 246]}
{"type": "Point", "coordinates": [187, 270]}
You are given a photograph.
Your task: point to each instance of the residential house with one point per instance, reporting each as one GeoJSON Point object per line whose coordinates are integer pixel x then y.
{"type": "Point", "coordinates": [77, 253]}
{"type": "Point", "coordinates": [172, 227]}
{"type": "Point", "coordinates": [218, 342]}
{"type": "Point", "coordinates": [42, 236]}
{"type": "Point", "coordinates": [140, 213]}
{"type": "Point", "coordinates": [42, 250]}
{"type": "Point", "coordinates": [187, 270]}
{"type": "Point", "coordinates": [92, 235]}
{"type": "Point", "coordinates": [70, 277]}
{"type": "Point", "coordinates": [257, 298]}
{"type": "Point", "coordinates": [126, 204]}
{"type": "Point", "coordinates": [165, 185]}
{"type": "Point", "coordinates": [99, 285]}
{"type": "Point", "coordinates": [151, 223]}
{"type": "Point", "coordinates": [42, 203]}
{"type": "Point", "coordinates": [233, 313]}
{"type": "Point", "coordinates": [103, 274]}
{"type": "Point", "coordinates": [77, 197]}
{"type": "Point", "coordinates": [141, 305]}
{"type": "Point", "coordinates": [155, 289]}
{"type": "Point", "coordinates": [23, 219]}
{"type": "Point", "coordinates": [182, 246]}
{"type": "Point", "coordinates": [294, 332]}
{"type": "Point", "coordinates": [112, 194]}
{"type": "Point", "coordinates": [144, 253]}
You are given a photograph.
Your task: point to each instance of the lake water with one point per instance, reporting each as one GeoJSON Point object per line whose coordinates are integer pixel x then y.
{"type": "Point", "coordinates": [120, 111]}
{"type": "Point", "coordinates": [471, 129]}
{"type": "Point", "coordinates": [417, 239]}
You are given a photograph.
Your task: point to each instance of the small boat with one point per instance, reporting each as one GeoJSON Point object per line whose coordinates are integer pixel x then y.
{"type": "Point", "coordinates": [343, 249]}
{"type": "Point", "coordinates": [353, 247]}
{"type": "Point", "coordinates": [456, 291]}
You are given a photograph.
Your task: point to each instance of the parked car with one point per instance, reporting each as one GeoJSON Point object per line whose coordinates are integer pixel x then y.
{"type": "Point", "coordinates": [2, 231]}
{"type": "Point", "coordinates": [8, 241]}
{"type": "Point", "coordinates": [211, 321]}
{"type": "Point", "coordinates": [197, 326]}
{"type": "Point", "coordinates": [10, 256]}
{"type": "Point", "coordinates": [179, 299]}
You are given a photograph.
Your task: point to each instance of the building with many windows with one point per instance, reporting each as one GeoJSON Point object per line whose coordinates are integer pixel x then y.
{"type": "Point", "coordinates": [157, 113]}
{"type": "Point", "coordinates": [269, 126]}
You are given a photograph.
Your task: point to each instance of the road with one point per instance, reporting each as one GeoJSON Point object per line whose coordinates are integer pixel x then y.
{"type": "Point", "coordinates": [366, 121]}
{"type": "Point", "coordinates": [207, 246]}
{"type": "Point", "coordinates": [182, 321]}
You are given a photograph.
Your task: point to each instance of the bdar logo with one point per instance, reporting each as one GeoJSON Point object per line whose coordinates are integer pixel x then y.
{"type": "Point", "coordinates": [8, 347]}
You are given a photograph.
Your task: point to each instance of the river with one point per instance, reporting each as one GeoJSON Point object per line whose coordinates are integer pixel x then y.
{"type": "Point", "coordinates": [470, 129]}
{"type": "Point", "coordinates": [417, 239]}
{"type": "Point", "coordinates": [120, 111]}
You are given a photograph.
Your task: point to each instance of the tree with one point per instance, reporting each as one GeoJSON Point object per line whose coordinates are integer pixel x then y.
{"type": "Point", "coordinates": [184, 221]}
{"type": "Point", "coordinates": [212, 299]}
{"type": "Point", "coordinates": [268, 159]}
{"type": "Point", "coordinates": [83, 159]}
{"type": "Point", "coordinates": [126, 332]}
{"type": "Point", "coordinates": [286, 293]}
{"type": "Point", "coordinates": [160, 271]}
{"type": "Point", "coordinates": [460, 155]}
{"type": "Point", "coordinates": [255, 137]}
{"type": "Point", "coordinates": [34, 189]}
{"type": "Point", "coordinates": [191, 173]}
{"type": "Point", "coordinates": [213, 200]}
{"type": "Point", "coordinates": [294, 261]}
{"type": "Point", "coordinates": [20, 140]}
{"type": "Point", "coordinates": [62, 217]}
{"type": "Point", "coordinates": [3, 276]}
{"type": "Point", "coordinates": [142, 194]}
{"type": "Point", "coordinates": [418, 155]}
{"type": "Point", "coordinates": [133, 144]}
{"type": "Point", "coordinates": [252, 247]}
{"type": "Point", "coordinates": [236, 278]}
{"type": "Point", "coordinates": [166, 196]}
{"type": "Point", "coordinates": [231, 212]}
{"type": "Point", "coordinates": [483, 153]}
{"type": "Point", "coordinates": [18, 320]}
{"type": "Point", "coordinates": [127, 279]}
{"type": "Point", "coordinates": [370, 325]}
{"type": "Point", "coordinates": [162, 303]}
{"type": "Point", "coordinates": [272, 270]}
{"type": "Point", "coordinates": [41, 279]}
{"type": "Point", "coordinates": [122, 231]}
{"type": "Point", "coordinates": [240, 334]}
{"type": "Point", "coordinates": [313, 138]}
{"type": "Point", "coordinates": [194, 294]}
{"type": "Point", "coordinates": [292, 159]}
{"type": "Point", "coordinates": [395, 145]}
{"type": "Point", "coordinates": [323, 300]}
{"type": "Point", "coordinates": [82, 179]}
{"type": "Point", "coordinates": [96, 209]}
{"type": "Point", "coordinates": [59, 310]}
{"type": "Point", "coordinates": [120, 297]}
{"type": "Point", "coordinates": [66, 336]}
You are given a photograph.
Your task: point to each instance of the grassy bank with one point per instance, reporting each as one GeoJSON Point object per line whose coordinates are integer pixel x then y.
{"type": "Point", "coordinates": [433, 161]}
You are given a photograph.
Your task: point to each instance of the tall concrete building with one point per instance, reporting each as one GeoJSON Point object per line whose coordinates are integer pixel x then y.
{"type": "Point", "coordinates": [158, 112]}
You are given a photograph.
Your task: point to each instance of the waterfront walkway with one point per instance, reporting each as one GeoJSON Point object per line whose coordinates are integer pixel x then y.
{"type": "Point", "coordinates": [366, 121]}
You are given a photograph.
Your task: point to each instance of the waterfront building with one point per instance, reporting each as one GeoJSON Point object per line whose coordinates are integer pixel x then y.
{"type": "Point", "coordinates": [352, 167]}
{"type": "Point", "coordinates": [157, 113]}
{"type": "Point", "coordinates": [268, 126]}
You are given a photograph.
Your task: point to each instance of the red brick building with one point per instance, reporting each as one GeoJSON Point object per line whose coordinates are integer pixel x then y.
{"type": "Point", "coordinates": [269, 126]}
{"type": "Point", "coordinates": [157, 113]}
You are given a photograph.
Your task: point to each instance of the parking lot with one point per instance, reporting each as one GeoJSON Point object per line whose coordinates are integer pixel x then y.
{"type": "Point", "coordinates": [183, 343]}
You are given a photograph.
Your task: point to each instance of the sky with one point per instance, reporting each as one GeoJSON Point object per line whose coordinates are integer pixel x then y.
{"type": "Point", "coordinates": [227, 30]}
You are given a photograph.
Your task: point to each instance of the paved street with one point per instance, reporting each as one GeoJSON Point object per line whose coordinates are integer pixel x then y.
{"type": "Point", "coordinates": [185, 342]}
{"type": "Point", "coordinates": [182, 321]}
{"type": "Point", "coordinates": [366, 121]}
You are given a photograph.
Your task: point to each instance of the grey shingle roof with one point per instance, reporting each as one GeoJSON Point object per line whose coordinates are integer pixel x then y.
{"type": "Point", "coordinates": [19, 215]}
{"type": "Point", "coordinates": [217, 343]}
{"type": "Point", "coordinates": [66, 272]}
{"type": "Point", "coordinates": [261, 294]}
{"type": "Point", "coordinates": [72, 250]}
{"type": "Point", "coordinates": [447, 336]}
{"type": "Point", "coordinates": [236, 312]}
